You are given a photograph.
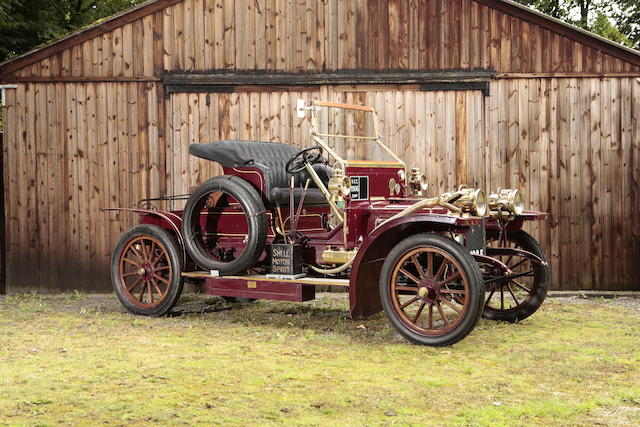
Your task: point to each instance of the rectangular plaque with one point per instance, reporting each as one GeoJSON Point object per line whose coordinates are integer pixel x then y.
{"type": "Point", "coordinates": [476, 238]}
{"type": "Point", "coordinates": [359, 187]}
{"type": "Point", "coordinates": [286, 259]}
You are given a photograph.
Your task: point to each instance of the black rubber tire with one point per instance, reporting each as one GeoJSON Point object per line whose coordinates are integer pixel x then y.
{"type": "Point", "coordinates": [471, 270]}
{"type": "Point", "coordinates": [542, 278]}
{"type": "Point", "coordinates": [255, 213]}
{"type": "Point", "coordinates": [174, 254]}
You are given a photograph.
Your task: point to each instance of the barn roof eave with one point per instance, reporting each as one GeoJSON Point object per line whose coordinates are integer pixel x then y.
{"type": "Point", "coordinates": [507, 6]}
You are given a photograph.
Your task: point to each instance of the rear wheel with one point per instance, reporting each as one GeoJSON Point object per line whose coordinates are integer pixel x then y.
{"type": "Point", "coordinates": [517, 296]}
{"type": "Point", "coordinates": [431, 290]}
{"type": "Point", "coordinates": [224, 225]}
{"type": "Point", "coordinates": [145, 270]}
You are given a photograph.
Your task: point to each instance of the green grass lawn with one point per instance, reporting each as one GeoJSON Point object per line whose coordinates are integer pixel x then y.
{"type": "Point", "coordinates": [79, 359]}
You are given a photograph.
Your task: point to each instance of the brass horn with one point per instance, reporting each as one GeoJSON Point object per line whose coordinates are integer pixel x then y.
{"type": "Point", "coordinates": [506, 203]}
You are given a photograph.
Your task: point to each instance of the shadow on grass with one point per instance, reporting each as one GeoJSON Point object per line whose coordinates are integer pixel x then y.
{"type": "Point", "coordinates": [321, 316]}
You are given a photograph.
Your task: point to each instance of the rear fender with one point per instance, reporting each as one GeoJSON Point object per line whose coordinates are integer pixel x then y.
{"type": "Point", "coordinates": [167, 220]}
{"type": "Point", "coordinates": [364, 293]}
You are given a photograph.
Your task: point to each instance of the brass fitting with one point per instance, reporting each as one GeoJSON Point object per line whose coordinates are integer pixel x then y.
{"type": "Point", "coordinates": [337, 256]}
{"type": "Point", "coordinates": [506, 204]}
{"type": "Point", "coordinates": [339, 187]}
{"type": "Point", "coordinates": [418, 182]}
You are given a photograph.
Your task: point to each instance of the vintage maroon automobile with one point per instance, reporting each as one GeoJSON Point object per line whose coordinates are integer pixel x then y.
{"type": "Point", "coordinates": [343, 212]}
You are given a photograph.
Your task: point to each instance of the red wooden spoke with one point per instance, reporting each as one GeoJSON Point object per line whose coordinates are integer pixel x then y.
{"type": "Point", "coordinates": [518, 264]}
{"type": "Point", "coordinates": [440, 270]}
{"type": "Point", "coordinates": [133, 273]}
{"type": "Point", "coordinates": [155, 261]}
{"type": "Point", "coordinates": [512, 294]}
{"type": "Point", "coordinates": [450, 304]}
{"type": "Point", "coordinates": [155, 285]}
{"type": "Point", "coordinates": [441, 311]}
{"type": "Point", "coordinates": [454, 276]}
{"type": "Point", "coordinates": [415, 318]}
{"type": "Point", "coordinates": [490, 295]}
{"type": "Point", "coordinates": [166, 267]}
{"type": "Point", "coordinates": [452, 291]}
{"type": "Point", "coordinates": [162, 279]}
{"type": "Point", "coordinates": [501, 297]}
{"type": "Point", "coordinates": [410, 276]}
{"type": "Point", "coordinates": [131, 262]}
{"type": "Point", "coordinates": [411, 301]}
{"type": "Point", "coordinates": [416, 263]}
{"type": "Point", "coordinates": [407, 288]}
{"type": "Point", "coordinates": [152, 250]}
{"type": "Point", "coordinates": [135, 251]}
{"type": "Point", "coordinates": [518, 284]}
{"type": "Point", "coordinates": [144, 288]}
{"type": "Point", "coordinates": [133, 286]}
{"type": "Point", "coordinates": [430, 263]}
{"type": "Point", "coordinates": [150, 293]}
{"type": "Point", "coordinates": [430, 316]}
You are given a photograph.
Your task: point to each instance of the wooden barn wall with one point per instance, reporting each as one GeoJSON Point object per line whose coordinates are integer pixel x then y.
{"type": "Point", "coordinates": [570, 144]}
{"type": "Point", "coordinates": [311, 35]}
{"type": "Point", "coordinates": [72, 149]}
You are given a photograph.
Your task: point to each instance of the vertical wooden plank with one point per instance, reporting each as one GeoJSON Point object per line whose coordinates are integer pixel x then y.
{"type": "Point", "coordinates": [473, 38]}
{"type": "Point", "coordinates": [148, 49]}
{"type": "Point", "coordinates": [229, 35]}
{"type": "Point", "coordinates": [585, 194]}
{"type": "Point", "coordinates": [102, 182]}
{"type": "Point", "coordinates": [626, 267]}
{"type": "Point", "coordinates": [465, 30]}
{"type": "Point", "coordinates": [454, 33]}
{"type": "Point", "coordinates": [41, 196]}
{"type": "Point", "coordinates": [153, 165]}
{"type": "Point", "coordinates": [270, 35]}
{"type": "Point", "coordinates": [158, 43]}
{"type": "Point", "coordinates": [635, 167]}
{"type": "Point", "coordinates": [118, 67]}
{"type": "Point", "coordinates": [461, 141]}
{"type": "Point", "coordinates": [554, 179]}
{"type": "Point", "coordinates": [596, 211]}
{"type": "Point", "coordinates": [92, 206]}
{"type": "Point", "coordinates": [616, 189]}
{"type": "Point", "coordinates": [260, 14]}
{"type": "Point", "coordinates": [137, 48]}
{"type": "Point", "coordinates": [107, 54]}
{"type": "Point", "coordinates": [199, 34]}
{"type": "Point", "coordinates": [168, 46]}
{"type": "Point", "coordinates": [127, 50]}
{"type": "Point", "coordinates": [606, 182]}
{"type": "Point", "coordinates": [505, 44]}
{"type": "Point", "coordinates": [189, 36]}
{"type": "Point", "coordinates": [179, 41]}
{"type": "Point", "coordinates": [219, 35]}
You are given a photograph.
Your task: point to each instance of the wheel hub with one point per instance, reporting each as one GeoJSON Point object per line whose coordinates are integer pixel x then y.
{"type": "Point", "coordinates": [429, 293]}
{"type": "Point", "coordinates": [146, 270]}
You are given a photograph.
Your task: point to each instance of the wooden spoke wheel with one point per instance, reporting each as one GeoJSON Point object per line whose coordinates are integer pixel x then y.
{"type": "Point", "coordinates": [146, 270]}
{"type": "Point", "coordinates": [431, 290]}
{"type": "Point", "coordinates": [516, 296]}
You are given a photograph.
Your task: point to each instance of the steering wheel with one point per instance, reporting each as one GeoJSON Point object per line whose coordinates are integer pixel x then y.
{"type": "Point", "coordinates": [298, 162]}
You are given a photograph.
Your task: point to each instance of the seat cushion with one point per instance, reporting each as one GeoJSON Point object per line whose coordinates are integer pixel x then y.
{"type": "Point", "coordinates": [280, 196]}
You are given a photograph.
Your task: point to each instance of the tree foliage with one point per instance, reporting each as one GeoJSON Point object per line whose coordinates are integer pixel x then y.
{"type": "Point", "coordinates": [25, 24]}
{"type": "Point", "coordinates": [617, 20]}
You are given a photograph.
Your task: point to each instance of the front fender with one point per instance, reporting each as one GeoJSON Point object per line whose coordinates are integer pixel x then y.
{"type": "Point", "coordinates": [364, 294]}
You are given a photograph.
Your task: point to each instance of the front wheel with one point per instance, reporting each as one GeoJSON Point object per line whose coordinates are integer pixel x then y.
{"type": "Point", "coordinates": [517, 296]}
{"type": "Point", "coordinates": [431, 290]}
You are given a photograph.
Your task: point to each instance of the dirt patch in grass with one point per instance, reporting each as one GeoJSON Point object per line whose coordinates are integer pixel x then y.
{"type": "Point", "coordinates": [82, 359]}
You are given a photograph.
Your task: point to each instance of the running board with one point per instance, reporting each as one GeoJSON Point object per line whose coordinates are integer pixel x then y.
{"type": "Point", "coordinates": [263, 287]}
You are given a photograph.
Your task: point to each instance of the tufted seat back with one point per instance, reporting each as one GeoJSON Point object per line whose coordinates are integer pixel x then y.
{"type": "Point", "coordinates": [270, 157]}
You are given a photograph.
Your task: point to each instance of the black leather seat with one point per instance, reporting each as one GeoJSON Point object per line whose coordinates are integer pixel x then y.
{"type": "Point", "coordinates": [269, 157]}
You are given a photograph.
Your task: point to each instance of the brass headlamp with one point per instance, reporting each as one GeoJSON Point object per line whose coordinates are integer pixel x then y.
{"type": "Point", "coordinates": [471, 201]}
{"type": "Point", "coordinates": [418, 182]}
{"type": "Point", "coordinates": [506, 203]}
{"type": "Point", "coordinates": [339, 187]}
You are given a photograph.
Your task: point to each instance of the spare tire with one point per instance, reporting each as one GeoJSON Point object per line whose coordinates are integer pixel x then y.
{"type": "Point", "coordinates": [218, 244]}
